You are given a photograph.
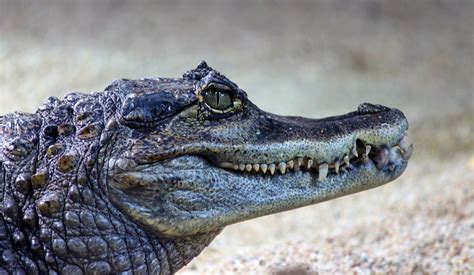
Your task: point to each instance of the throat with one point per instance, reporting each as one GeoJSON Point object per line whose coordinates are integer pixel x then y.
{"type": "Point", "coordinates": [181, 251]}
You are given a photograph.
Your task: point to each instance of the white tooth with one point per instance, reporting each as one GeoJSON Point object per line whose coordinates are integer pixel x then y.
{"type": "Point", "coordinates": [323, 171]}
{"type": "Point", "coordinates": [336, 166]}
{"type": "Point", "coordinates": [354, 152]}
{"type": "Point", "coordinates": [248, 167]}
{"type": "Point", "coordinates": [365, 157]}
{"type": "Point", "coordinates": [367, 149]}
{"type": "Point", "coordinates": [272, 167]}
{"type": "Point", "coordinates": [291, 164]}
{"type": "Point", "coordinates": [264, 168]}
{"type": "Point", "coordinates": [310, 163]}
{"type": "Point", "coordinates": [242, 167]}
{"type": "Point", "coordinates": [300, 162]}
{"type": "Point", "coordinates": [282, 167]}
{"type": "Point", "coordinates": [384, 158]}
{"type": "Point", "coordinates": [347, 161]}
{"type": "Point", "coordinates": [408, 152]}
{"type": "Point", "coordinates": [256, 167]}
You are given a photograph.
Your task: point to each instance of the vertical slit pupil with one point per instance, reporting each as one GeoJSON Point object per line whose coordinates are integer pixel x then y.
{"type": "Point", "coordinates": [218, 94]}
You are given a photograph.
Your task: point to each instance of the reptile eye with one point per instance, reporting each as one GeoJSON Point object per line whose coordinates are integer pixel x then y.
{"type": "Point", "coordinates": [218, 100]}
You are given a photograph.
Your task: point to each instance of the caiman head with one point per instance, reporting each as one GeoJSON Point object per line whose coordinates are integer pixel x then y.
{"type": "Point", "coordinates": [193, 154]}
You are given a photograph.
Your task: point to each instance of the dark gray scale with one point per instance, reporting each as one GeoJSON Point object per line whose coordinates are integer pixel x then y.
{"type": "Point", "coordinates": [144, 106]}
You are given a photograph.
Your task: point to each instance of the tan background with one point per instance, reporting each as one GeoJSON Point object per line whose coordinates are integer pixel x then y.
{"type": "Point", "coordinates": [300, 57]}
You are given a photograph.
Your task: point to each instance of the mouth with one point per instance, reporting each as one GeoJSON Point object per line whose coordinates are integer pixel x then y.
{"type": "Point", "coordinates": [382, 156]}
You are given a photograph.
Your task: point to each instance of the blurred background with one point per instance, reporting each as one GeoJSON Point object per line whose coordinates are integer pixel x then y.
{"type": "Point", "coordinates": [299, 57]}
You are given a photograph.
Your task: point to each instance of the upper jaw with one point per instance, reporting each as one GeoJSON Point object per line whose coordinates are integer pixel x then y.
{"type": "Point", "coordinates": [270, 144]}
{"type": "Point", "coordinates": [372, 133]}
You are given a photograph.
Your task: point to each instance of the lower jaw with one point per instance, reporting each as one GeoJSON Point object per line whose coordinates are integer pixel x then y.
{"type": "Point", "coordinates": [309, 190]}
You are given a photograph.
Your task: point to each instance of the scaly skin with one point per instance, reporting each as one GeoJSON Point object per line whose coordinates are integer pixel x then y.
{"type": "Point", "coordinates": [140, 178]}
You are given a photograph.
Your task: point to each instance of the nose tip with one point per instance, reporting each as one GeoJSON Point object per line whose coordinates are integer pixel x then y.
{"type": "Point", "coordinates": [368, 108]}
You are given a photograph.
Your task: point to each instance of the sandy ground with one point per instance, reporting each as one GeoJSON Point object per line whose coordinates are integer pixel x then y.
{"type": "Point", "coordinates": [309, 58]}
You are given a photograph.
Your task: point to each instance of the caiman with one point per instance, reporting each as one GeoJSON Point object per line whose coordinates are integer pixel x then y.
{"type": "Point", "coordinates": [140, 178]}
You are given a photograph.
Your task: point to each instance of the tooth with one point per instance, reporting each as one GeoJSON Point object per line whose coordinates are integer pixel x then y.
{"type": "Point", "coordinates": [323, 171]}
{"type": "Point", "coordinates": [282, 167]}
{"type": "Point", "coordinates": [272, 167]}
{"type": "Point", "coordinates": [256, 167]}
{"type": "Point", "coordinates": [248, 167]}
{"type": "Point", "coordinates": [384, 157]}
{"type": "Point", "coordinates": [408, 152]}
{"type": "Point", "coordinates": [354, 151]}
{"type": "Point", "coordinates": [300, 162]}
{"type": "Point", "coordinates": [365, 157]}
{"type": "Point", "coordinates": [310, 163]}
{"type": "Point", "coordinates": [347, 161]}
{"type": "Point", "coordinates": [242, 167]}
{"type": "Point", "coordinates": [264, 168]}
{"type": "Point", "coordinates": [336, 167]}
{"type": "Point", "coordinates": [291, 164]}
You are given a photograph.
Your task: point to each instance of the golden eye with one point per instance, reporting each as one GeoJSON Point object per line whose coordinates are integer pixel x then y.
{"type": "Point", "coordinates": [218, 100]}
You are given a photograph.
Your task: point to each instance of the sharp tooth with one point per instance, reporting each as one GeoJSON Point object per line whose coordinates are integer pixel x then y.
{"type": "Point", "coordinates": [264, 168]}
{"type": "Point", "coordinates": [310, 163]}
{"type": "Point", "coordinates": [347, 161]}
{"type": "Point", "coordinates": [300, 162]}
{"type": "Point", "coordinates": [256, 167]}
{"type": "Point", "coordinates": [365, 157]}
{"type": "Point", "coordinates": [291, 164]}
{"type": "Point", "coordinates": [272, 167]}
{"type": "Point", "coordinates": [282, 167]}
{"type": "Point", "coordinates": [354, 151]}
{"type": "Point", "coordinates": [323, 171]}
{"type": "Point", "coordinates": [336, 166]}
{"type": "Point", "coordinates": [408, 152]}
{"type": "Point", "coordinates": [242, 167]}
{"type": "Point", "coordinates": [248, 167]}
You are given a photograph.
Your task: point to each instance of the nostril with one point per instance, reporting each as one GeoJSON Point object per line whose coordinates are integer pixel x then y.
{"type": "Point", "coordinates": [368, 108]}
